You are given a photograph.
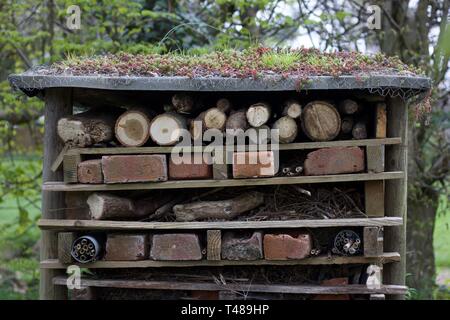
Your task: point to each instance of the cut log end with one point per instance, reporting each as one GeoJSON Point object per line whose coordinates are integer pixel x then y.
{"type": "Point", "coordinates": [348, 106]}
{"type": "Point", "coordinates": [287, 129]}
{"type": "Point", "coordinates": [292, 109]}
{"type": "Point", "coordinates": [182, 103]}
{"type": "Point", "coordinates": [133, 129]}
{"type": "Point", "coordinates": [320, 121]}
{"type": "Point", "coordinates": [167, 129]}
{"type": "Point", "coordinates": [258, 114]}
{"type": "Point", "coordinates": [214, 119]}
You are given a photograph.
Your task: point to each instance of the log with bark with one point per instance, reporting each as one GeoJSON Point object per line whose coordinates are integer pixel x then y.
{"type": "Point", "coordinates": [88, 128]}
{"type": "Point", "coordinates": [224, 209]}
{"type": "Point", "coordinates": [258, 114]}
{"type": "Point", "coordinates": [349, 107]}
{"type": "Point", "coordinates": [287, 129]}
{"type": "Point", "coordinates": [133, 127]}
{"type": "Point", "coordinates": [105, 206]}
{"type": "Point", "coordinates": [183, 103]}
{"type": "Point", "coordinates": [293, 109]}
{"type": "Point", "coordinates": [224, 105]}
{"type": "Point", "coordinates": [167, 128]}
{"type": "Point", "coordinates": [359, 130]}
{"type": "Point", "coordinates": [320, 121]}
{"type": "Point", "coordinates": [148, 206]}
{"type": "Point", "coordinates": [347, 125]}
{"type": "Point", "coordinates": [237, 120]}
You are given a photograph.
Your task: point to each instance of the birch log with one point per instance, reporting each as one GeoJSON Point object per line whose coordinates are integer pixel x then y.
{"type": "Point", "coordinates": [224, 209]}
{"type": "Point", "coordinates": [214, 118]}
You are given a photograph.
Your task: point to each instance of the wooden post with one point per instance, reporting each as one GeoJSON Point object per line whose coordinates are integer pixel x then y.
{"type": "Point", "coordinates": [373, 241]}
{"type": "Point", "coordinates": [65, 241]}
{"type": "Point", "coordinates": [374, 198]}
{"type": "Point", "coordinates": [58, 103]}
{"type": "Point", "coordinates": [375, 159]}
{"type": "Point", "coordinates": [214, 242]}
{"type": "Point", "coordinates": [70, 167]}
{"type": "Point", "coordinates": [396, 192]}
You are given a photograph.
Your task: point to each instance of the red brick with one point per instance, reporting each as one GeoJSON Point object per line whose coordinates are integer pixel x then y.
{"type": "Point", "coordinates": [285, 246]}
{"type": "Point", "coordinates": [90, 171]}
{"type": "Point", "coordinates": [175, 246]}
{"type": "Point", "coordinates": [254, 164]}
{"type": "Point", "coordinates": [126, 247]}
{"type": "Point", "coordinates": [196, 169]}
{"type": "Point", "coordinates": [242, 247]}
{"type": "Point", "coordinates": [334, 161]}
{"type": "Point", "coordinates": [134, 168]}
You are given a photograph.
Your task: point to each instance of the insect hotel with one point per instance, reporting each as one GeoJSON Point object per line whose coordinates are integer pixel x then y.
{"type": "Point", "coordinates": [213, 185]}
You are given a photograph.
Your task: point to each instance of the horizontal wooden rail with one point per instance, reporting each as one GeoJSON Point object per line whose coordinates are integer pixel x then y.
{"type": "Point", "coordinates": [386, 257]}
{"type": "Point", "coordinates": [250, 287]}
{"type": "Point", "coordinates": [287, 146]}
{"type": "Point", "coordinates": [55, 224]}
{"type": "Point", "coordinates": [183, 184]}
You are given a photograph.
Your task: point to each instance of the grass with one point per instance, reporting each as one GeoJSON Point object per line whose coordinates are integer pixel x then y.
{"type": "Point", "coordinates": [442, 241]}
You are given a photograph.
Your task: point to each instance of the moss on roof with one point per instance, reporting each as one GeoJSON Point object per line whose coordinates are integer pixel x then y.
{"type": "Point", "coordinates": [249, 63]}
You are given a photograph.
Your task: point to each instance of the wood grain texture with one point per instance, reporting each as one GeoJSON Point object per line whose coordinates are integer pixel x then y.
{"type": "Point", "coordinates": [375, 158]}
{"type": "Point", "coordinates": [246, 287]}
{"type": "Point", "coordinates": [65, 241]}
{"type": "Point", "coordinates": [58, 104]}
{"type": "Point", "coordinates": [372, 241]}
{"type": "Point", "coordinates": [214, 244]}
{"type": "Point", "coordinates": [183, 184]}
{"type": "Point", "coordinates": [387, 257]}
{"type": "Point", "coordinates": [374, 198]}
{"type": "Point", "coordinates": [396, 191]}
{"type": "Point", "coordinates": [287, 146]}
{"type": "Point", "coordinates": [70, 167]}
{"type": "Point", "coordinates": [380, 120]}
{"type": "Point", "coordinates": [47, 224]}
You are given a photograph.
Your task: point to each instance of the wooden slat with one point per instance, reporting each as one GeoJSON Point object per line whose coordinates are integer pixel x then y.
{"type": "Point", "coordinates": [183, 184]}
{"type": "Point", "coordinates": [247, 287]}
{"type": "Point", "coordinates": [374, 198]}
{"type": "Point", "coordinates": [70, 167]}
{"type": "Point", "coordinates": [375, 158]}
{"type": "Point", "coordinates": [372, 241]}
{"type": "Point", "coordinates": [65, 241]}
{"type": "Point", "coordinates": [58, 104]}
{"type": "Point", "coordinates": [214, 244]}
{"type": "Point", "coordinates": [380, 120]}
{"type": "Point", "coordinates": [388, 257]}
{"type": "Point", "coordinates": [288, 146]}
{"type": "Point", "coordinates": [47, 224]}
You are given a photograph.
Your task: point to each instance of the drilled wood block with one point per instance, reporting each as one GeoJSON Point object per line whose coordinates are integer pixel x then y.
{"type": "Point", "coordinates": [214, 241]}
{"type": "Point", "coordinates": [65, 241]}
{"type": "Point", "coordinates": [375, 158]}
{"type": "Point", "coordinates": [70, 167]}
{"type": "Point", "coordinates": [126, 247]}
{"type": "Point", "coordinates": [381, 120]}
{"type": "Point", "coordinates": [373, 241]}
{"type": "Point", "coordinates": [374, 198]}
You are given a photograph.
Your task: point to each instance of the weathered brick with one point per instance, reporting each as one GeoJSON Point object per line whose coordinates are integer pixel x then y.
{"type": "Point", "coordinates": [175, 246]}
{"type": "Point", "coordinates": [254, 164]}
{"type": "Point", "coordinates": [197, 168]}
{"type": "Point", "coordinates": [90, 171]}
{"type": "Point", "coordinates": [126, 247]}
{"type": "Point", "coordinates": [242, 247]}
{"type": "Point", "coordinates": [334, 161]}
{"type": "Point", "coordinates": [285, 246]}
{"type": "Point", "coordinates": [134, 168]}
{"type": "Point", "coordinates": [333, 282]}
